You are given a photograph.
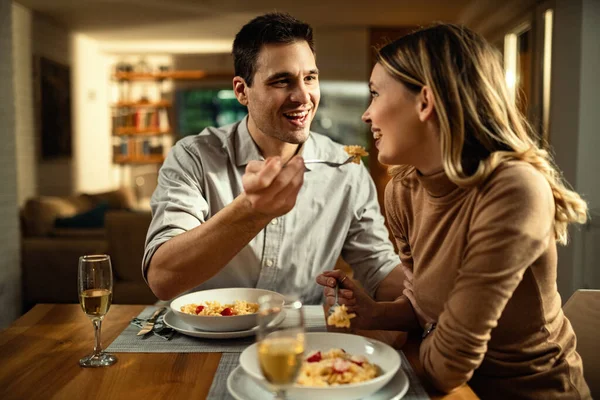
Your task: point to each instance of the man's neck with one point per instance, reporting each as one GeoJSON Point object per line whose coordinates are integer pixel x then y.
{"type": "Point", "coordinates": [271, 147]}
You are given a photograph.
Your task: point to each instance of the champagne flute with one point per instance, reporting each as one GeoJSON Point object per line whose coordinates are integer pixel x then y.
{"type": "Point", "coordinates": [95, 284]}
{"type": "Point", "coordinates": [280, 348]}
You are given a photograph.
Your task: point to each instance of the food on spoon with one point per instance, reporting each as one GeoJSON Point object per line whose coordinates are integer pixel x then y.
{"type": "Point", "coordinates": [357, 152]}
{"type": "Point", "coordinates": [340, 318]}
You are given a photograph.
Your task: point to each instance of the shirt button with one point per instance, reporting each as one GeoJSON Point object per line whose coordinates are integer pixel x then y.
{"type": "Point", "coordinates": [275, 221]}
{"type": "Point", "coordinates": [269, 263]}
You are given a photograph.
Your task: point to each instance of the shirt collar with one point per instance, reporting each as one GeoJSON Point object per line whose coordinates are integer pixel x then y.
{"type": "Point", "coordinates": [246, 149]}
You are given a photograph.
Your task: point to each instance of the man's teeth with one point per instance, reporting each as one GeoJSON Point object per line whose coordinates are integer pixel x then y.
{"type": "Point", "coordinates": [376, 135]}
{"type": "Point", "coordinates": [296, 114]}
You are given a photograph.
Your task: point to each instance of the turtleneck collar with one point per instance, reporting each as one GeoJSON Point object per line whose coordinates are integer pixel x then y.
{"type": "Point", "coordinates": [437, 185]}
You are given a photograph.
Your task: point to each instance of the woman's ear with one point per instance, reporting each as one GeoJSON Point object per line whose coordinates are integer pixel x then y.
{"type": "Point", "coordinates": [426, 104]}
{"type": "Point", "coordinates": [239, 89]}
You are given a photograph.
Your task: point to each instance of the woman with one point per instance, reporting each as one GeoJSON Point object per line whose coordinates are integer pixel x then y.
{"type": "Point", "coordinates": [476, 207]}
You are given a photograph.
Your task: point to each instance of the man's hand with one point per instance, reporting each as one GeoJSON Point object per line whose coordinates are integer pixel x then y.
{"type": "Point", "coordinates": [272, 188]}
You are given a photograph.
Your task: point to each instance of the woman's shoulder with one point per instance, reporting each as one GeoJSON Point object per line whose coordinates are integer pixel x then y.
{"type": "Point", "coordinates": [518, 181]}
{"type": "Point", "coordinates": [520, 173]}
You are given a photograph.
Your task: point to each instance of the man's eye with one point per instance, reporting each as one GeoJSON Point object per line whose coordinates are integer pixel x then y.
{"type": "Point", "coordinates": [374, 93]}
{"type": "Point", "coordinates": [311, 78]}
{"type": "Point", "coordinates": [280, 83]}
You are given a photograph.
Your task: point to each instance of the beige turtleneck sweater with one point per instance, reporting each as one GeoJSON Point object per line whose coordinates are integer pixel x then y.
{"type": "Point", "coordinates": [484, 262]}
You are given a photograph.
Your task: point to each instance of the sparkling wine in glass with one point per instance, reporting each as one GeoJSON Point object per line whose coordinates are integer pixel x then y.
{"type": "Point", "coordinates": [280, 348]}
{"type": "Point", "coordinates": [95, 284]}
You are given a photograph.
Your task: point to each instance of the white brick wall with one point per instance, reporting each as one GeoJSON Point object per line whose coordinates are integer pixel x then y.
{"type": "Point", "coordinates": [26, 138]}
{"type": "Point", "coordinates": [10, 277]}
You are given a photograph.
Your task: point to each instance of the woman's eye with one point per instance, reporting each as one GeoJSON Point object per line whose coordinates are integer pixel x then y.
{"type": "Point", "coordinates": [374, 93]}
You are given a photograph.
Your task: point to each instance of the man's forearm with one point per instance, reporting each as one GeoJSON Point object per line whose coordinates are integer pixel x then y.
{"type": "Point", "coordinates": [394, 311]}
{"type": "Point", "coordinates": [193, 257]}
{"type": "Point", "coordinates": [397, 315]}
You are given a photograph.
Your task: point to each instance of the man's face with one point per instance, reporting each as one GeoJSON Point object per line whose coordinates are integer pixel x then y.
{"type": "Point", "coordinates": [285, 93]}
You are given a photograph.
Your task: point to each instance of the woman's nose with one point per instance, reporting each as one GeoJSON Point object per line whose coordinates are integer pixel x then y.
{"type": "Point", "coordinates": [366, 117]}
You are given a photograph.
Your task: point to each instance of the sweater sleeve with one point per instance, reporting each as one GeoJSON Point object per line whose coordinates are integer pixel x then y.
{"type": "Point", "coordinates": [393, 208]}
{"type": "Point", "coordinates": [511, 226]}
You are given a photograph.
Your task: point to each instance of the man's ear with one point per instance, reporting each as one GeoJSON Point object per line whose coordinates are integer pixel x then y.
{"type": "Point", "coordinates": [240, 89]}
{"type": "Point", "coordinates": [426, 104]}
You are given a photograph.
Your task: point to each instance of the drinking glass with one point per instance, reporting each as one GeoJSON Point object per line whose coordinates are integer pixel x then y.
{"type": "Point", "coordinates": [280, 348]}
{"type": "Point", "coordinates": [95, 285]}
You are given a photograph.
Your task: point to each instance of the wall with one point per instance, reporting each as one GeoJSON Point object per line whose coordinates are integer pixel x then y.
{"type": "Point", "coordinates": [10, 279]}
{"type": "Point", "coordinates": [52, 41]}
{"type": "Point", "coordinates": [36, 36]}
{"type": "Point", "coordinates": [573, 128]}
{"type": "Point", "coordinates": [588, 165]}
{"type": "Point", "coordinates": [26, 138]}
{"type": "Point", "coordinates": [92, 166]}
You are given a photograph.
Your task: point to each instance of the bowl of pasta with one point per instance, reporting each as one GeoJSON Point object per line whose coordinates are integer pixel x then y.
{"type": "Point", "coordinates": [334, 366]}
{"type": "Point", "coordinates": [221, 310]}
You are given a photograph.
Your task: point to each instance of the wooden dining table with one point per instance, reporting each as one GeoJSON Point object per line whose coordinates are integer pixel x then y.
{"type": "Point", "coordinates": [40, 352]}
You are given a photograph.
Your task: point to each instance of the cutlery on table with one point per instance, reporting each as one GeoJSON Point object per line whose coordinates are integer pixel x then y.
{"type": "Point", "coordinates": [150, 322]}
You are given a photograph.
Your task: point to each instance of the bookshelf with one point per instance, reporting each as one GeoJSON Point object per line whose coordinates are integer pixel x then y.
{"type": "Point", "coordinates": [142, 111]}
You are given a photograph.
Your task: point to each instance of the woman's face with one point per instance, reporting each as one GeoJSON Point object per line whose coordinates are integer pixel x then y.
{"type": "Point", "coordinates": [403, 133]}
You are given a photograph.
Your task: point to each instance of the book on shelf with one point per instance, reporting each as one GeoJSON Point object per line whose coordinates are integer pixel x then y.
{"type": "Point", "coordinates": [140, 120]}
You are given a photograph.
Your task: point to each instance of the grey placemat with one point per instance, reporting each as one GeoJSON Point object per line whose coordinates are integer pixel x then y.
{"type": "Point", "coordinates": [129, 342]}
{"type": "Point", "coordinates": [218, 389]}
{"type": "Point", "coordinates": [416, 391]}
{"type": "Point", "coordinates": [229, 361]}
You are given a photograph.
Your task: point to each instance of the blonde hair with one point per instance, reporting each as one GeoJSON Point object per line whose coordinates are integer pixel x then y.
{"type": "Point", "coordinates": [480, 125]}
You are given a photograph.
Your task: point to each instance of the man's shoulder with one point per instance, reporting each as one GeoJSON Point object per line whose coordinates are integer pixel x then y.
{"type": "Point", "coordinates": [210, 135]}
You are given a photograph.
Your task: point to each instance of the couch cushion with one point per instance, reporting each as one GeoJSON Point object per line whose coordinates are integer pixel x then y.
{"type": "Point", "coordinates": [120, 199]}
{"type": "Point", "coordinates": [92, 218]}
{"type": "Point", "coordinates": [40, 212]}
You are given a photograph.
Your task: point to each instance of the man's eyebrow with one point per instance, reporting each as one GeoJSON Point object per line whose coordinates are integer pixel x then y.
{"type": "Point", "coordinates": [280, 75]}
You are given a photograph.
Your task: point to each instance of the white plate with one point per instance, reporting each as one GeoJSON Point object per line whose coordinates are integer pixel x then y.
{"type": "Point", "coordinates": [377, 352]}
{"type": "Point", "coordinates": [172, 321]}
{"type": "Point", "coordinates": [243, 387]}
{"type": "Point", "coordinates": [223, 296]}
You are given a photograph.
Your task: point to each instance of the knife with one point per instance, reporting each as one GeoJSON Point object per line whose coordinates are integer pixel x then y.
{"type": "Point", "coordinates": [150, 323]}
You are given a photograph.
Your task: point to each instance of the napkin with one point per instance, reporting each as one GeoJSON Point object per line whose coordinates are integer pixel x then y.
{"type": "Point", "coordinates": [160, 329]}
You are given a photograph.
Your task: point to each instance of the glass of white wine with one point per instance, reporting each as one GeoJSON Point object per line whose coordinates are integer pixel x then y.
{"type": "Point", "coordinates": [280, 348]}
{"type": "Point", "coordinates": [95, 285]}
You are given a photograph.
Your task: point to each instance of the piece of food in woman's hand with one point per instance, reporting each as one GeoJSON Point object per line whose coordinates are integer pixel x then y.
{"type": "Point", "coordinates": [340, 318]}
{"type": "Point", "coordinates": [356, 151]}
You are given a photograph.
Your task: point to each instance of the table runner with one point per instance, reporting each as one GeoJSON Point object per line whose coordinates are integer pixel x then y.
{"type": "Point", "coordinates": [218, 389]}
{"type": "Point", "coordinates": [128, 342]}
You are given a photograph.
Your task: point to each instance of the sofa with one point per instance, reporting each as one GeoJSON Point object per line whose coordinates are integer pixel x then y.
{"type": "Point", "coordinates": [56, 231]}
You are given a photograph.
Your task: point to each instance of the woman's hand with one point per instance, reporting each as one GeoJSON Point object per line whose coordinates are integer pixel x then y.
{"type": "Point", "coordinates": [408, 291]}
{"type": "Point", "coordinates": [350, 294]}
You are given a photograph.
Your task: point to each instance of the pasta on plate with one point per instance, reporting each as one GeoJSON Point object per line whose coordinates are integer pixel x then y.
{"type": "Point", "coordinates": [216, 309]}
{"type": "Point", "coordinates": [335, 367]}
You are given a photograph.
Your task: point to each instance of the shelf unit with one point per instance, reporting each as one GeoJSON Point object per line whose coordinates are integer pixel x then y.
{"type": "Point", "coordinates": [142, 126]}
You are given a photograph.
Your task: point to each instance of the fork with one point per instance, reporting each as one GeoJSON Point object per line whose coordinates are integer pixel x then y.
{"type": "Point", "coordinates": [330, 163]}
{"type": "Point", "coordinates": [147, 328]}
{"type": "Point", "coordinates": [336, 304]}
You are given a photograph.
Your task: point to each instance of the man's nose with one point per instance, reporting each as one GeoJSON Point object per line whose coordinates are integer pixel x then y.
{"type": "Point", "coordinates": [301, 94]}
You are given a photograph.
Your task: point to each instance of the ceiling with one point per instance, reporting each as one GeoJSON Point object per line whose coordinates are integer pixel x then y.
{"type": "Point", "coordinates": [188, 20]}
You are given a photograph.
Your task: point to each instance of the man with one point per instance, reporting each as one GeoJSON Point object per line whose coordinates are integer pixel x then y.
{"type": "Point", "coordinates": [235, 206]}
